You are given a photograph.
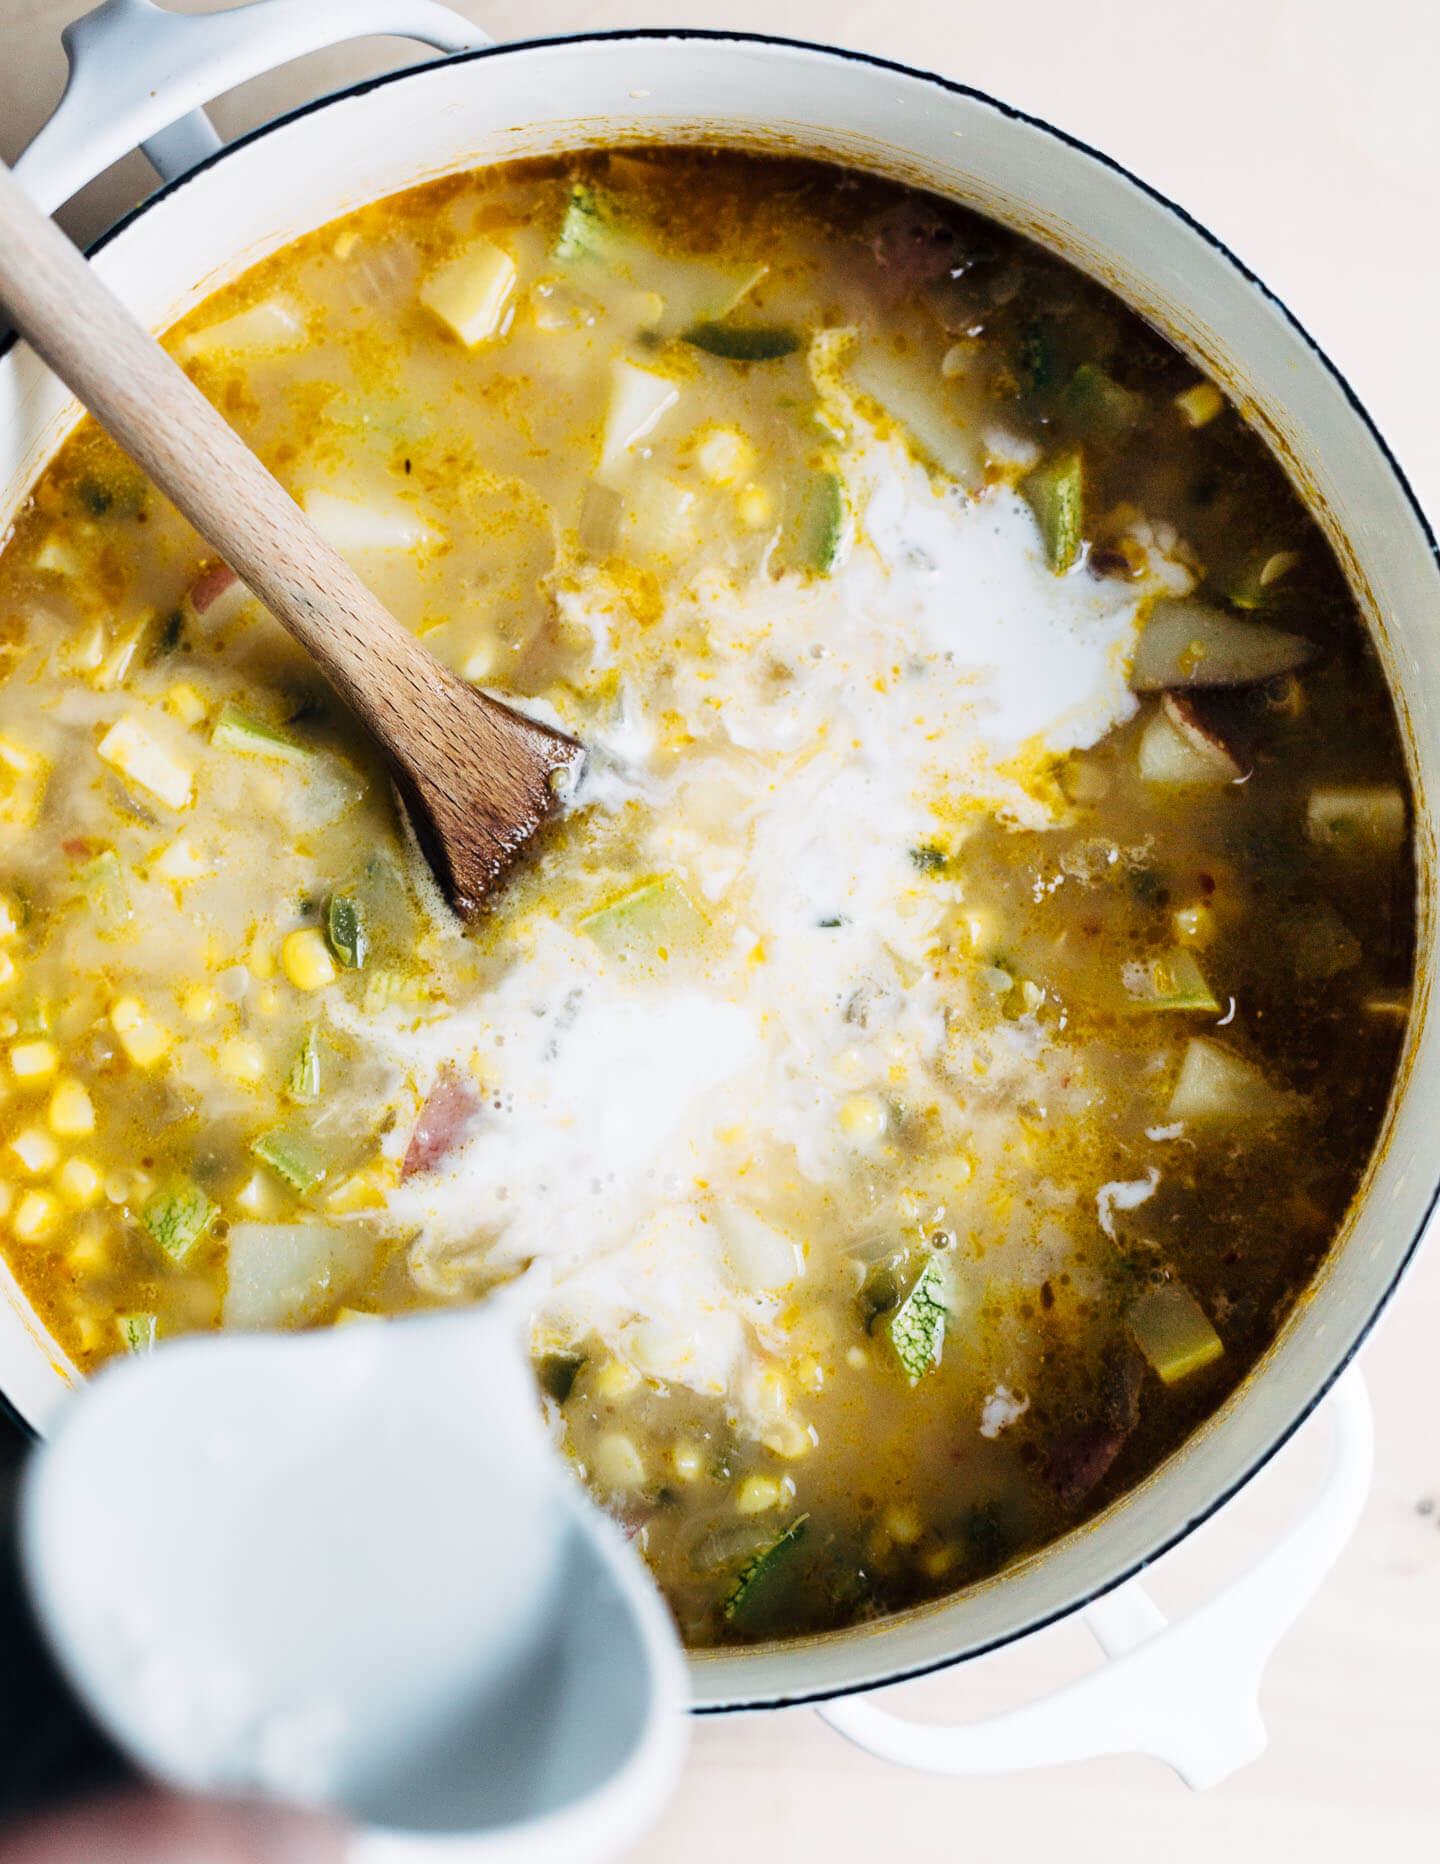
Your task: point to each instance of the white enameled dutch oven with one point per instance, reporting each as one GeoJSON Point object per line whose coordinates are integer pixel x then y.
{"type": "Point", "coordinates": [139, 76]}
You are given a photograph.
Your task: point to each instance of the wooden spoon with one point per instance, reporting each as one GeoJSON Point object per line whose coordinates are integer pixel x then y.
{"type": "Point", "coordinates": [477, 778]}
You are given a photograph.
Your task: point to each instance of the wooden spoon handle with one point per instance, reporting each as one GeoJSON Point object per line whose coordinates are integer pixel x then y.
{"type": "Point", "coordinates": [147, 402]}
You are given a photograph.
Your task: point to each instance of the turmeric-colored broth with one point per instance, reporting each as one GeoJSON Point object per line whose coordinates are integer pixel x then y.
{"type": "Point", "coordinates": [943, 1036]}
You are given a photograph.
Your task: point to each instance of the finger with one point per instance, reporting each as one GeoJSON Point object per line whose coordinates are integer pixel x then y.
{"type": "Point", "coordinates": [156, 1828]}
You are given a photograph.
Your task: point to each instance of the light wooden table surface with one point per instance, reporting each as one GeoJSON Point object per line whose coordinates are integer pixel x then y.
{"type": "Point", "coordinates": [1306, 134]}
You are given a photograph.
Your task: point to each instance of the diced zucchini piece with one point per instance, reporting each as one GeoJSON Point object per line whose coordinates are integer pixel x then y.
{"type": "Point", "coordinates": [1359, 821]}
{"type": "Point", "coordinates": [650, 921]}
{"type": "Point", "coordinates": [1174, 982]}
{"type": "Point", "coordinates": [1174, 1332]}
{"type": "Point", "coordinates": [291, 1157]}
{"type": "Point", "coordinates": [917, 1327]}
{"type": "Point", "coordinates": [388, 985]}
{"type": "Point", "coordinates": [1096, 402]}
{"type": "Point", "coordinates": [303, 1081]}
{"type": "Point", "coordinates": [104, 886]}
{"type": "Point", "coordinates": [130, 748]}
{"type": "Point", "coordinates": [239, 731]}
{"type": "Point", "coordinates": [760, 1573]}
{"type": "Point", "coordinates": [745, 342]}
{"type": "Point", "coordinates": [356, 526]}
{"type": "Point", "coordinates": [1188, 643]}
{"type": "Point", "coordinates": [470, 294]}
{"type": "Point", "coordinates": [1216, 1084]}
{"type": "Point", "coordinates": [345, 931]}
{"type": "Point", "coordinates": [638, 398]}
{"type": "Point", "coordinates": [590, 228]}
{"type": "Point", "coordinates": [824, 523]}
{"type": "Point", "coordinates": [1055, 492]}
{"type": "Point", "coordinates": [177, 1217]}
{"type": "Point", "coordinates": [137, 1331]}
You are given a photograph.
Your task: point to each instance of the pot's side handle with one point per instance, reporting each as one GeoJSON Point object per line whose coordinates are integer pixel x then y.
{"type": "Point", "coordinates": [1185, 1693]}
{"type": "Point", "coordinates": [139, 76]}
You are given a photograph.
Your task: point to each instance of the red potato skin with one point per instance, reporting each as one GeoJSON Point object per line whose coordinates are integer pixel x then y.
{"type": "Point", "coordinates": [445, 1122]}
{"type": "Point", "coordinates": [210, 586]}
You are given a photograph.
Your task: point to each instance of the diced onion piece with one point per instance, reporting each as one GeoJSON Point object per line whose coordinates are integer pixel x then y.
{"type": "Point", "coordinates": [470, 293]}
{"type": "Point", "coordinates": [355, 525]}
{"type": "Point", "coordinates": [132, 749]}
{"type": "Point", "coordinates": [1188, 643]}
{"type": "Point", "coordinates": [638, 399]}
{"type": "Point", "coordinates": [1216, 1084]}
{"type": "Point", "coordinates": [1359, 822]}
{"type": "Point", "coordinates": [659, 518]}
{"type": "Point", "coordinates": [762, 1257]}
{"type": "Point", "coordinates": [275, 324]}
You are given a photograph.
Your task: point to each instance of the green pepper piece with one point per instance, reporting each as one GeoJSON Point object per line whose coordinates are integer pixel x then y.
{"type": "Point", "coordinates": [744, 342]}
{"type": "Point", "coordinates": [759, 1573]}
{"type": "Point", "coordinates": [345, 931]}
{"type": "Point", "coordinates": [1055, 492]}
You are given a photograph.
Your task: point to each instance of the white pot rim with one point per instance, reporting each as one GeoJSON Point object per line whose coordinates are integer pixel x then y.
{"type": "Point", "coordinates": [898, 1671]}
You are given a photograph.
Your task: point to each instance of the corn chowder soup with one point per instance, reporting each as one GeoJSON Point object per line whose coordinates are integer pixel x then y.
{"type": "Point", "coordinates": [942, 1036]}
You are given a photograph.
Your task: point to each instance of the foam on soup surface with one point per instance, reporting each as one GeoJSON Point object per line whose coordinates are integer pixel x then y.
{"type": "Point", "coordinates": [942, 1037]}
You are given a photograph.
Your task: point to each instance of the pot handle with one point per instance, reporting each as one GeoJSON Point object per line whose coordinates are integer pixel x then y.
{"type": "Point", "coordinates": [139, 76]}
{"type": "Point", "coordinates": [1186, 1693]}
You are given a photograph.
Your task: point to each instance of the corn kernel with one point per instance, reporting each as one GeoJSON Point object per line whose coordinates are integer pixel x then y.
{"type": "Point", "coordinates": [260, 960]}
{"type": "Point", "coordinates": [618, 1464]}
{"type": "Point", "coordinates": [857, 1358]}
{"type": "Point", "coordinates": [71, 1113]}
{"type": "Point", "coordinates": [862, 1119]}
{"type": "Point", "coordinates": [789, 1438]}
{"type": "Point", "coordinates": [242, 1059]}
{"type": "Point", "coordinates": [688, 1463]}
{"type": "Point", "coordinates": [79, 1182]}
{"type": "Point", "coordinates": [615, 1379]}
{"type": "Point", "coordinates": [35, 1217]}
{"type": "Point", "coordinates": [1199, 405]}
{"type": "Point", "coordinates": [183, 701]}
{"type": "Point", "coordinates": [723, 455]}
{"type": "Point", "coordinates": [810, 1374]}
{"type": "Point", "coordinates": [305, 959]}
{"type": "Point", "coordinates": [758, 1494]}
{"type": "Point", "coordinates": [938, 1562]}
{"type": "Point", "coordinates": [34, 1061]}
{"type": "Point", "coordinates": [903, 1525]}
{"type": "Point", "coordinates": [348, 1316]}
{"type": "Point", "coordinates": [756, 507]}
{"type": "Point", "coordinates": [268, 1002]}
{"type": "Point", "coordinates": [362, 1190]}
{"type": "Point", "coordinates": [89, 1254]}
{"type": "Point", "coordinates": [144, 1041]}
{"type": "Point", "coordinates": [1195, 925]}
{"type": "Point", "coordinates": [199, 1005]}
{"type": "Point", "coordinates": [36, 1150]}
